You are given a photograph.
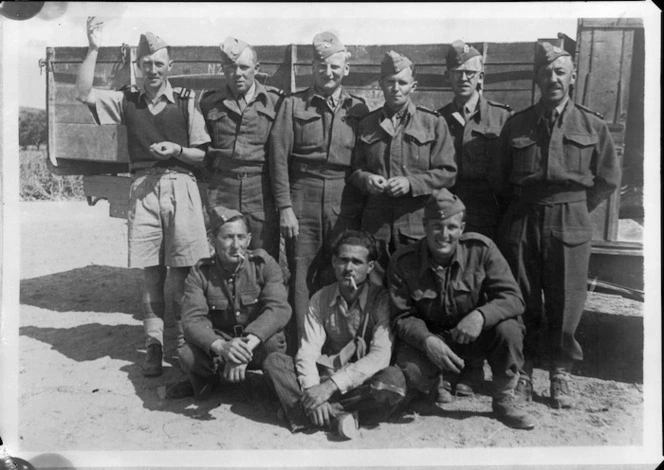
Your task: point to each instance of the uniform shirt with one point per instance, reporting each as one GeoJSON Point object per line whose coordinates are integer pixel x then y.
{"type": "Point", "coordinates": [424, 303]}
{"type": "Point", "coordinates": [307, 130]}
{"type": "Point", "coordinates": [421, 149]}
{"type": "Point", "coordinates": [475, 139]}
{"type": "Point", "coordinates": [253, 296]}
{"type": "Point", "coordinates": [239, 138]}
{"type": "Point", "coordinates": [330, 324]}
{"type": "Point", "coordinates": [578, 152]}
{"type": "Point", "coordinates": [108, 107]}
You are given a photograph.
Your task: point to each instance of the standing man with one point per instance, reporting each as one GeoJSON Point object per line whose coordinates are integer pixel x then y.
{"type": "Point", "coordinates": [404, 153]}
{"type": "Point", "coordinates": [167, 138]}
{"type": "Point", "coordinates": [454, 298]}
{"type": "Point", "coordinates": [342, 363]}
{"type": "Point", "coordinates": [558, 163]}
{"type": "Point", "coordinates": [239, 118]}
{"type": "Point", "coordinates": [475, 123]}
{"type": "Point", "coordinates": [311, 145]}
{"type": "Point", "coordinates": [235, 307]}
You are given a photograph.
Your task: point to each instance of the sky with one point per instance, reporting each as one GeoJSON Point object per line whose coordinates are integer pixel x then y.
{"type": "Point", "coordinates": [63, 24]}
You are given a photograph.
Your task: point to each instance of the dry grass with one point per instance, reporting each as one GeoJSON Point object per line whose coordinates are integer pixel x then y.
{"type": "Point", "coordinates": [39, 184]}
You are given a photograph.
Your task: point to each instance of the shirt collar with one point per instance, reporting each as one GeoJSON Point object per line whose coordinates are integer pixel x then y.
{"type": "Point", "coordinates": [542, 112]}
{"type": "Point", "coordinates": [361, 299]}
{"type": "Point", "coordinates": [406, 110]}
{"type": "Point", "coordinates": [470, 106]}
{"type": "Point", "coordinates": [250, 94]}
{"type": "Point", "coordinates": [166, 92]}
{"type": "Point", "coordinates": [339, 95]}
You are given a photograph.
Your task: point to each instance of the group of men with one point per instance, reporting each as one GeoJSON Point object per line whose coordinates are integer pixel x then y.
{"type": "Point", "coordinates": [391, 225]}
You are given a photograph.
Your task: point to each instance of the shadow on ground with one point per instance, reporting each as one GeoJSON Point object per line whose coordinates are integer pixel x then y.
{"type": "Point", "coordinates": [89, 289]}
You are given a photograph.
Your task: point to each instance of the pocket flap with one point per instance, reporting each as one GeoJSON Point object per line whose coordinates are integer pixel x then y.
{"type": "Point", "coordinates": [573, 237]}
{"type": "Point", "coordinates": [249, 298]}
{"type": "Point", "coordinates": [583, 140]}
{"type": "Point", "coordinates": [370, 138]}
{"type": "Point", "coordinates": [267, 112]}
{"type": "Point", "coordinates": [488, 133]}
{"type": "Point", "coordinates": [306, 116]}
{"type": "Point", "coordinates": [216, 113]}
{"type": "Point", "coordinates": [421, 136]}
{"type": "Point", "coordinates": [521, 142]}
{"type": "Point", "coordinates": [217, 302]}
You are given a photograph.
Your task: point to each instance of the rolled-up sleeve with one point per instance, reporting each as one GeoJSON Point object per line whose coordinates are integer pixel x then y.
{"type": "Point", "coordinates": [311, 345]}
{"type": "Point", "coordinates": [198, 134]}
{"type": "Point", "coordinates": [275, 310]}
{"type": "Point", "coordinates": [503, 295]}
{"type": "Point", "coordinates": [107, 107]}
{"type": "Point", "coordinates": [380, 352]}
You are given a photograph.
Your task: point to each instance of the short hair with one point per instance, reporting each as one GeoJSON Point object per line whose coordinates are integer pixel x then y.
{"type": "Point", "coordinates": [241, 217]}
{"type": "Point", "coordinates": [254, 56]}
{"type": "Point", "coordinates": [168, 51]}
{"type": "Point", "coordinates": [347, 56]}
{"type": "Point", "coordinates": [356, 238]}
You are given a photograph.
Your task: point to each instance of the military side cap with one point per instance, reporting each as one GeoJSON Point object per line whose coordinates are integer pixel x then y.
{"type": "Point", "coordinates": [442, 204]}
{"type": "Point", "coordinates": [458, 53]}
{"type": "Point", "coordinates": [326, 44]}
{"type": "Point", "coordinates": [149, 44]}
{"type": "Point", "coordinates": [231, 49]}
{"type": "Point", "coordinates": [393, 62]}
{"type": "Point", "coordinates": [219, 215]}
{"type": "Point", "coordinates": [547, 53]}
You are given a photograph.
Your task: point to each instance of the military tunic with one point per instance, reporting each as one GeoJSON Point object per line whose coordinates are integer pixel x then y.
{"type": "Point", "coordinates": [476, 147]}
{"type": "Point", "coordinates": [311, 146]}
{"type": "Point", "coordinates": [238, 172]}
{"type": "Point", "coordinates": [221, 304]}
{"type": "Point", "coordinates": [421, 149]}
{"type": "Point", "coordinates": [554, 175]}
{"type": "Point", "coordinates": [427, 300]}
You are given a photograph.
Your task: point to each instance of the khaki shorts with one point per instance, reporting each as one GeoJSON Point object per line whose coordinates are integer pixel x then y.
{"type": "Point", "coordinates": [166, 226]}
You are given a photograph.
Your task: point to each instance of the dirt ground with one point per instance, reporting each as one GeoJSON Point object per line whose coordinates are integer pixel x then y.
{"type": "Point", "coordinates": [81, 345]}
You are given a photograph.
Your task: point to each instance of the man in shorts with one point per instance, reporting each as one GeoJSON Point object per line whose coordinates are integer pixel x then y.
{"type": "Point", "coordinates": [166, 139]}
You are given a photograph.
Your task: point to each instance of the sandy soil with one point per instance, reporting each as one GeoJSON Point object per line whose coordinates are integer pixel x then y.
{"type": "Point", "coordinates": [81, 345]}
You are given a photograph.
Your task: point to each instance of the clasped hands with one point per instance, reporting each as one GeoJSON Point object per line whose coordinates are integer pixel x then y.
{"type": "Point", "coordinates": [236, 354]}
{"type": "Point", "coordinates": [165, 150]}
{"type": "Point", "coordinates": [395, 186]}
{"type": "Point", "coordinates": [315, 401]}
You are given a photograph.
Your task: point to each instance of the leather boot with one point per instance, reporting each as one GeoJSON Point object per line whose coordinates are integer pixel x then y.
{"type": "Point", "coordinates": [471, 376]}
{"type": "Point", "coordinates": [152, 365]}
{"type": "Point", "coordinates": [506, 407]}
{"type": "Point", "coordinates": [524, 387]}
{"type": "Point", "coordinates": [562, 395]}
{"type": "Point", "coordinates": [442, 392]}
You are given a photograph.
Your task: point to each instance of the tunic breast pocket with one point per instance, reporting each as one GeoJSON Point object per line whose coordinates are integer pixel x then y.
{"type": "Point", "coordinates": [218, 312]}
{"type": "Point", "coordinates": [579, 150]}
{"type": "Point", "coordinates": [265, 121]}
{"type": "Point", "coordinates": [466, 292]}
{"type": "Point", "coordinates": [308, 128]}
{"type": "Point", "coordinates": [249, 307]}
{"type": "Point", "coordinates": [418, 148]}
{"type": "Point", "coordinates": [220, 122]}
{"type": "Point", "coordinates": [427, 303]}
{"type": "Point", "coordinates": [372, 151]}
{"type": "Point", "coordinates": [526, 157]}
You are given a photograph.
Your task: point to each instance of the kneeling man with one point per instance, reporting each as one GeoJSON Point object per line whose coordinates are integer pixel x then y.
{"type": "Point", "coordinates": [234, 310]}
{"type": "Point", "coordinates": [454, 298]}
{"type": "Point", "coordinates": [340, 374]}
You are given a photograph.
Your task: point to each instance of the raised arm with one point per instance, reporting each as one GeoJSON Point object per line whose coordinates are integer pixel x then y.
{"type": "Point", "coordinates": [86, 73]}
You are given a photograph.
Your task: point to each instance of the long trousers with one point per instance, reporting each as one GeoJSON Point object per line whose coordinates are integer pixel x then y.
{"type": "Point", "coordinates": [502, 346]}
{"type": "Point", "coordinates": [548, 249]}
{"type": "Point", "coordinates": [375, 399]}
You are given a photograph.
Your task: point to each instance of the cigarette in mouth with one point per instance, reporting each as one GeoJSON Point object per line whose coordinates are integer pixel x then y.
{"type": "Point", "coordinates": [239, 255]}
{"type": "Point", "coordinates": [352, 283]}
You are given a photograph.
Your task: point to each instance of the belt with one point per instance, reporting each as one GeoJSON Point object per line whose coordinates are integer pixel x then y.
{"type": "Point", "coordinates": [549, 193]}
{"type": "Point", "coordinates": [240, 175]}
{"type": "Point", "coordinates": [320, 170]}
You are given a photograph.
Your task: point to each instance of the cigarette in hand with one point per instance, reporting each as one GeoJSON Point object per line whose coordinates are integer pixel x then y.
{"type": "Point", "coordinates": [352, 283]}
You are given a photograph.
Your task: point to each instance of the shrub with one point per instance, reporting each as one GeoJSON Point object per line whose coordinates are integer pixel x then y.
{"type": "Point", "coordinates": [37, 183]}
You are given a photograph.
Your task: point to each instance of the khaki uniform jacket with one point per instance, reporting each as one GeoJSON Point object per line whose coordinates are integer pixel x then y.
{"type": "Point", "coordinates": [479, 278]}
{"type": "Point", "coordinates": [254, 297]}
